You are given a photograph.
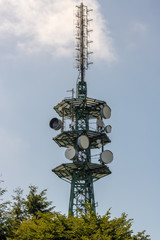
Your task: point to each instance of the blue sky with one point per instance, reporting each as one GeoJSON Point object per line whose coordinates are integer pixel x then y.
{"type": "Point", "coordinates": [36, 70]}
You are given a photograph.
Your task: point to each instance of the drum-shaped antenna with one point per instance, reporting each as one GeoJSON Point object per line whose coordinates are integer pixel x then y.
{"type": "Point", "coordinates": [55, 123]}
{"type": "Point", "coordinates": [108, 129]}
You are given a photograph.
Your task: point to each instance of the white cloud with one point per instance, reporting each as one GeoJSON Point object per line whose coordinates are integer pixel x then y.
{"type": "Point", "coordinates": [102, 41]}
{"type": "Point", "coordinates": [47, 25]}
{"type": "Point", "coordinates": [140, 27]}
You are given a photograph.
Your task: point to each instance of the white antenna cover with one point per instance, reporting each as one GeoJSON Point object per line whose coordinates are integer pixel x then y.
{"type": "Point", "coordinates": [71, 153]}
{"type": "Point", "coordinates": [107, 156]}
{"type": "Point", "coordinates": [83, 142]}
{"type": "Point", "coordinates": [106, 112]}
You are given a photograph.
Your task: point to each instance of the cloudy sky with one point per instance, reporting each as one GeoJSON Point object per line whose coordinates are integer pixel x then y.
{"type": "Point", "coordinates": [36, 70]}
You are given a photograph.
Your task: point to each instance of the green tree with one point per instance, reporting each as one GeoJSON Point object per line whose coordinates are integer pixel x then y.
{"type": "Point", "coordinates": [18, 206]}
{"type": "Point", "coordinates": [17, 212]}
{"type": "Point", "coordinates": [22, 209]}
{"type": "Point", "coordinates": [4, 214]}
{"type": "Point", "coordinates": [37, 202]}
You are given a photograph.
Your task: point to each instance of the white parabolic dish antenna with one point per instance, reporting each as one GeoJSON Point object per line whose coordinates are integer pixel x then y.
{"type": "Point", "coordinates": [83, 142]}
{"type": "Point", "coordinates": [107, 156]}
{"type": "Point", "coordinates": [71, 153]}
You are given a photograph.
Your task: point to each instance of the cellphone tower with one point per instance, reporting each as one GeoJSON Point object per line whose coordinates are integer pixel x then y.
{"type": "Point", "coordinates": [80, 137]}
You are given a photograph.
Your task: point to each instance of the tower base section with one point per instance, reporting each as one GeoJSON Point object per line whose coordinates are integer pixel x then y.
{"type": "Point", "coordinates": [81, 175]}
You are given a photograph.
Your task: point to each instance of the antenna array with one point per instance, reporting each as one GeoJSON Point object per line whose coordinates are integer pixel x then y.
{"type": "Point", "coordinates": [82, 39]}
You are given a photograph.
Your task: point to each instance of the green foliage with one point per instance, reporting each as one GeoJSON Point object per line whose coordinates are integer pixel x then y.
{"type": "Point", "coordinates": [86, 227]}
{"type": "Point", "coordinates": [18, 207]}
{"type": "Point", "coordinates": [21, 210]}
{"type": "Point", "coordinates": [3, 214]}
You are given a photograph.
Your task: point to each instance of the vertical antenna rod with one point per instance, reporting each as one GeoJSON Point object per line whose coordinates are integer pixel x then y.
{"type": "Point", "coordinates": [82, 44]}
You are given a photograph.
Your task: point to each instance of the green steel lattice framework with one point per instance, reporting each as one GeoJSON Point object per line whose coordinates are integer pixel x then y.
{"type": "Point", "coordinates": [81, 173]}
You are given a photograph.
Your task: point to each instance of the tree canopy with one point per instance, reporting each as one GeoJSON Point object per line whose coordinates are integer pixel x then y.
{"type": "Point", "coordinates": [33, 218]}
{"type": "Point", "coordinates": [3, 213]}
{"type": "Point", "coordinates": [86, 227]}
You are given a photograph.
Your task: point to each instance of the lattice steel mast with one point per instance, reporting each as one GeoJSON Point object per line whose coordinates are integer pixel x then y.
{"type": "Point", "coordinates": [79, 139]}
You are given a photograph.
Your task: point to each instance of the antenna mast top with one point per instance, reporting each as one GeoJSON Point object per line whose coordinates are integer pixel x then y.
{"type": "Point", "coordinates": [82, 47]}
